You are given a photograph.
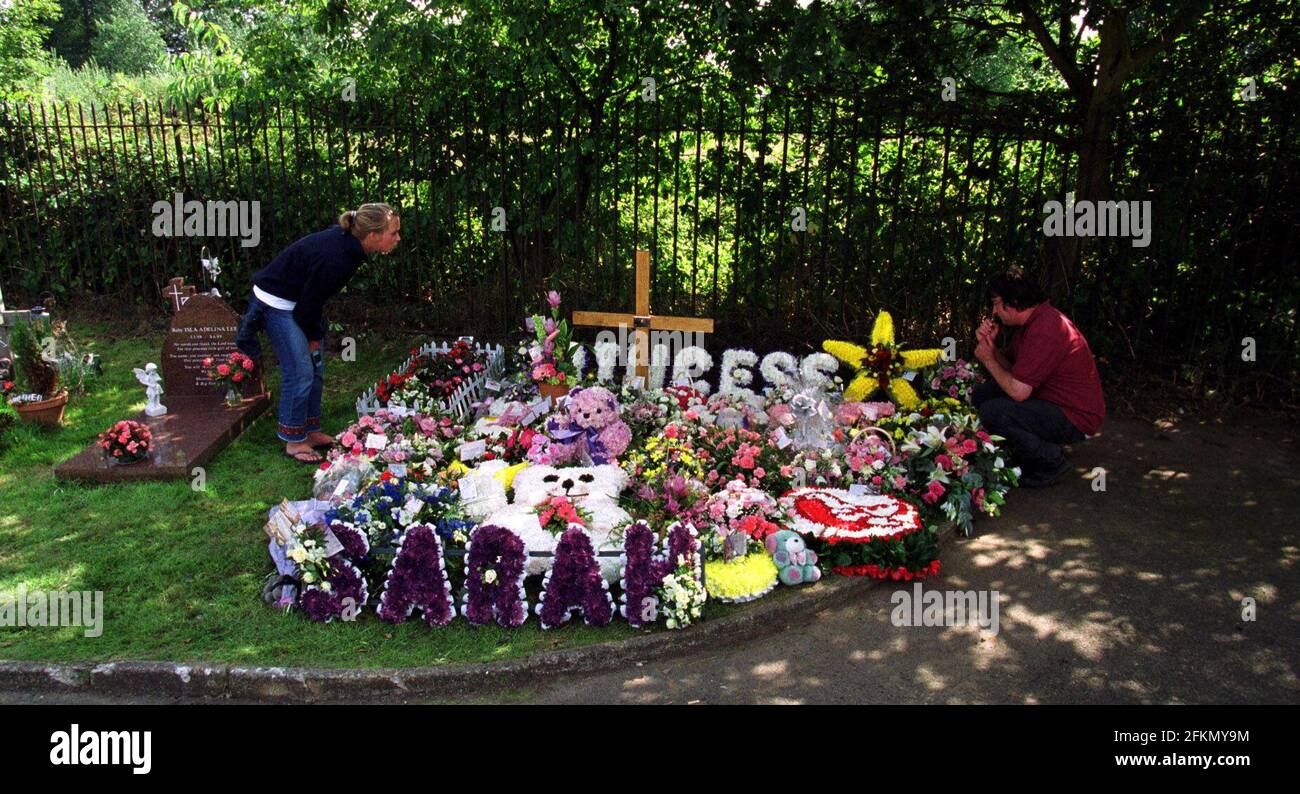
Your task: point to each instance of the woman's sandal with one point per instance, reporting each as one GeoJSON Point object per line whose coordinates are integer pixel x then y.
{"type": "Point", "coordinates": [316, 460]}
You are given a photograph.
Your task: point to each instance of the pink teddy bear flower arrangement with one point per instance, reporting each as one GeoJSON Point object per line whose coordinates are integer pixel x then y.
{"type": "Point", "coordinates": [590, 431]}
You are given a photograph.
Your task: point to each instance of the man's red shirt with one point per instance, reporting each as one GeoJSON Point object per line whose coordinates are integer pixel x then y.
{"type": "Point", "coordinates": [1050, 355]}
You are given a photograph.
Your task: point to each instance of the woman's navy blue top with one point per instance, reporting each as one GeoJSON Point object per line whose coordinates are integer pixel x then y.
{"type": "Point", "coordinates": [310, 272]}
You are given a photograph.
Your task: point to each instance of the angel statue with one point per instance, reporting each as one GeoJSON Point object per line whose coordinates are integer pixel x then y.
{"type": "Point", "coordinates": [152, 382]}
{"type": "Point", "coordinates": [212, 267]}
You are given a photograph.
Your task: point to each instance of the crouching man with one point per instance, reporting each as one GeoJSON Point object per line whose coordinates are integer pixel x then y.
{"type": "Point", "coordinates": [1045, 391]}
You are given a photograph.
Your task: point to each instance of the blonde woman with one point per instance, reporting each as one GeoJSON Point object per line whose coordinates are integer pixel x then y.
{"type": "Point", "coordinates": [287, 300]}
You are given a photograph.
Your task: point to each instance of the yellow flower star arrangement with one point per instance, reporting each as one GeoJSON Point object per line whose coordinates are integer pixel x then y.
{"type": "Point", "coordinates": [881, 366]}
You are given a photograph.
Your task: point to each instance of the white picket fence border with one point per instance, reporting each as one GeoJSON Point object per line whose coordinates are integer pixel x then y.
{"type": "Point", "coordinates": [458, 403]}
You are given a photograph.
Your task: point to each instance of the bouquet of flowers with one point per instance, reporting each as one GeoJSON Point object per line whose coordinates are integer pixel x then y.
{"type": "Point", "coordinates": [957, 380]}
{"type": "Point", "coordinates": [413, 441]}
{"type": "Point", "coordinates": [661, 456]}
{"type": "Point", "coordinates": [681, 594]}
{"type": "Point", "coordinates": [558, 512]}
{"type": "Point", "coordinates": [384, 511]}
{"type": "Point", "coordinates": [550, 357]}
{"type": "Point", "coordinates": [309, 551]}
{"type": "Point", "coordinates": [740, 454]}
{"type": "Point", "coordinates": [729, 411]}
{"type": "Point", "coordinates": [647, 412]}
{"type": "Point", "coordinates": [955, 469]}
{"type": "Point", "coordinates": [513, 447]}
{"type": "Point", "coordinates": [739, 513]}
{"type": "Point", "coordinates": [674, 497]}
{"type": "Point", "coordinates": [686, 396]}
{"type": "Point", "coordinates": [127, 441]}
{"type": "Point", "coordinates": [230, 373]}
{"type": "Point", "coordinates": [504, 435]}
{"type": "Point", "coordinates": [444, 373]}
{"type": "Point", "coordinates": [860, 414]}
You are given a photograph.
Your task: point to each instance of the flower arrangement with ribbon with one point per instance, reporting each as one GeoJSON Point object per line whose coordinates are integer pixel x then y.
{"type": "Point", "coordinates": [127, 441]}
{"type": "Point", "coordinates": [881, 366]}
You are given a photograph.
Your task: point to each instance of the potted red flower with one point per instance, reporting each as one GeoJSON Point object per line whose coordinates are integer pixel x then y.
{"type": "Point", "coordinates": [231, 373]}
{"type": "Point", "coordinates": [126, 442]}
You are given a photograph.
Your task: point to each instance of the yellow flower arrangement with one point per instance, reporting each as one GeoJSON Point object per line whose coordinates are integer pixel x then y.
{"type": "Point", "coordinates": [881, 366]}
{"type": "Point", "coordinates": [742, 579]}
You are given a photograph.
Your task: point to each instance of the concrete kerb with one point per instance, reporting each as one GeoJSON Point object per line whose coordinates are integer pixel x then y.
{"type": "Point", "coordinates": [214, 682]}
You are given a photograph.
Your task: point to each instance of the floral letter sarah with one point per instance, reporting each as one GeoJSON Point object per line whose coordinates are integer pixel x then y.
{"type": "Point", "coordinates": [417, 579]}
{"type": "Point", "coordinates": [574, 582]}
{"type": "Point", "coordinates": [644, 571]}
{"type": "Point", "coordinates": [494, 578]}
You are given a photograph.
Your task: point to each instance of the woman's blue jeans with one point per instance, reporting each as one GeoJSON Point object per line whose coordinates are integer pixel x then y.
{"type": "Point", "coordinates": [301, 381]}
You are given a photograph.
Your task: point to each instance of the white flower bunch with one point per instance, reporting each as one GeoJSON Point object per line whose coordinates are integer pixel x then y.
{"type": "Point", "coordinates": [681, 597]}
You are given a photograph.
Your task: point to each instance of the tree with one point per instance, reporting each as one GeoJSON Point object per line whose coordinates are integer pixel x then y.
{"type": "Point", "coordinates": [1127, 37]}
{"type": "Point", "coordinates": [126, 40]}
{"type": "Point", "coordinates": [23, 27]}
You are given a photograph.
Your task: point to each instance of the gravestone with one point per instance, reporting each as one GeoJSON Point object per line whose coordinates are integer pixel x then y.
{"type": "Point", "coordinates": [8, 319]}
{"type": "Point", "coordinates": [203, 327]}
{"type": "Point", "coordinates": [198, 424]}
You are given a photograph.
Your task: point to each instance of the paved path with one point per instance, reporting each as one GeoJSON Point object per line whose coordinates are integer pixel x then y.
{"type": "Point", "coordinates": [1131, 595]}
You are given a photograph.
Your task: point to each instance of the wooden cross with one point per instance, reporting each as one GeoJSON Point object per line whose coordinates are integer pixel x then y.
{"type": "Point", "coordinates": [177, 292]}
{"type": "Point", "coordinates": [643, 321]}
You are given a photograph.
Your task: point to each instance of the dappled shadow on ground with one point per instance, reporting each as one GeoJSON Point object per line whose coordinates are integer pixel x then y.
{"type": "Point", "coordinates": [1131, 594]}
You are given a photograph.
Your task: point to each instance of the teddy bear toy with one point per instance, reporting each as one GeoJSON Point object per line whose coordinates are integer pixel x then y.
{"type": "Point", "coordinates": [594, 489]}
{"type": "Point", "coordinates": [795, 562]}
{"type": "Point", "coordinates": [590, 431]}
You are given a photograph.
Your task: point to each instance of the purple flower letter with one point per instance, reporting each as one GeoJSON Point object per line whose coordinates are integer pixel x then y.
{"type": "Point", "coordinates": [642, 574]}
{"type": "Point", "coordinates": [346, 596]}
{"type": "Point", "coordinates": [417, 579]}
{"type": "Point", "coordinates": [644, 571]}
{"type": "Point", "coordinates": [495, 549]}
{"type": "Point", "coordinates": [574, 582]}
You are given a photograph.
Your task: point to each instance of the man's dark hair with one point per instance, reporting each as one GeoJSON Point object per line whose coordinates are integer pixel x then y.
{"type": "Point", "coordinates": [1016, 291]}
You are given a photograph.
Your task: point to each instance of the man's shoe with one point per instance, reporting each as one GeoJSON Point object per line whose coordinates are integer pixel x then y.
{"type": "Point", "coordinates": [1046, 477]}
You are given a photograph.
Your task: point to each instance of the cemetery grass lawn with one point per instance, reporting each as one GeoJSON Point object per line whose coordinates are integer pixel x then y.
{"type": "Point", "coordinates": [181, 570]}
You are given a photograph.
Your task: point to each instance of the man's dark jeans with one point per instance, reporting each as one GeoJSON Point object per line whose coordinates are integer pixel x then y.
{"type": "Point", "coordinates": [1035, 428]}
